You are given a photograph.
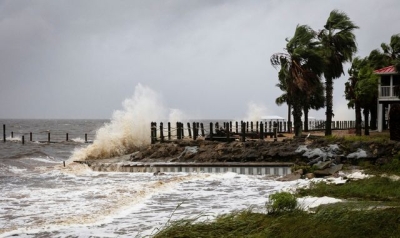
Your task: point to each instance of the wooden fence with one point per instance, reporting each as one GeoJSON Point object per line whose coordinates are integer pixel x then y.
{"type": "Point", "coordinates": [229, 131]}
{"type": "Point", "coordinates": [45, 137]}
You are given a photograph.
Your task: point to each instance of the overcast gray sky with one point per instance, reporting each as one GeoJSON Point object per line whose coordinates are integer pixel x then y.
{"type": "Point", "coordinates": [210, 59]}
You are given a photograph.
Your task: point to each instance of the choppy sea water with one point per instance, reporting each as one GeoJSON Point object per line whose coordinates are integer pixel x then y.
{"type": "Point", "coordinates": [41, 198]}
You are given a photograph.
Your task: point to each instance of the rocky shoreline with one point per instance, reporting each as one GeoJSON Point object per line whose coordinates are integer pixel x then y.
{"type": "Point", "coordinates": [325, 156]}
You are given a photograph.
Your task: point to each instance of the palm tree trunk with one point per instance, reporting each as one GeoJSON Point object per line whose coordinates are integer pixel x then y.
{"type": "Point", "coordinates": [329, 105]}
{"type": "Point", "coordinates": [289, 118]}
{"type": "Point", "coordinates": [366, 126]}
{"type": "Point", "coordinates": [374, 116]}
{"type": "Point", "coordinates": [358, 118]}
{"type": "Point", "coordinates": [305, 119]}
{"type": "Point", "coordinates": [297, 119]}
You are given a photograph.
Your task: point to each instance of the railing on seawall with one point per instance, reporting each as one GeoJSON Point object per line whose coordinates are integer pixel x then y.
{"type": "Point", "coordinates": [279, 169]}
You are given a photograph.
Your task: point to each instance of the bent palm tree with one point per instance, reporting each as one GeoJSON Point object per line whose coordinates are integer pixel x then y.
{"type": "Point", "coordinates": [338, 46]}
{"type": "Point", "coordinates": [300, 70]}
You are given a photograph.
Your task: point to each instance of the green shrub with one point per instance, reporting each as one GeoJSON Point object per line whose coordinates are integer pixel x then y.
{"type": "Point", "coordinates": [281, 202]}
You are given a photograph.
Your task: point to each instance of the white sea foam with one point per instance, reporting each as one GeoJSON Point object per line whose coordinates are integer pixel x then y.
{"type": "Point", "coordinates": [78, 140]}
{"type": "Point", "coordinates": [307, 203]}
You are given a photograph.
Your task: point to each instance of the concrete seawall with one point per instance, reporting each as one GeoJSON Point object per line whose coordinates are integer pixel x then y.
{"type": "Point", "coordinates": [279, 169]}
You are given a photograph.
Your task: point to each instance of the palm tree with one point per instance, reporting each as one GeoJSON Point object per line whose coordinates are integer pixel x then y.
{"type": "Point", "coordinates": [284, 97]}
{"type": "Point", "coordinates": [338, 46]}
{"type": "Point", "coordinates": [351, 92]}
{"type": "Point", "coordinates": [300, 70]}
{"type": "Point", "coordinates": [393, 50]}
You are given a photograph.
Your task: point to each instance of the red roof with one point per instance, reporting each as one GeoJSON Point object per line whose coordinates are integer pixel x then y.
{"type": "Point", "coordinates": [386, 70]}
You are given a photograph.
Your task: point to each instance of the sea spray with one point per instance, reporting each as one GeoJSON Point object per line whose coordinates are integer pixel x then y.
{"type": "Point", "coordinates": [129, 129]}
{"type": "Point", "coordinates": [255, 111]}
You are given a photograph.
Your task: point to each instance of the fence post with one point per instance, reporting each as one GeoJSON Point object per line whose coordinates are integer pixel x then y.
{"type": "Point", "coordinates": [30, 136]}
{"type": "Point", "coordinates": [4, 132]}
{"type": "Point", "coordinates": [161, 132]}
{"type": "Point", "coordinates": [202, 130]}
{"type": "Point", "coordinates": [169, 130]}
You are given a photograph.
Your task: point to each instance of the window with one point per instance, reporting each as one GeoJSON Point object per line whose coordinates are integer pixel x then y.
{"type": "Point", "coordinates": [385, 80]}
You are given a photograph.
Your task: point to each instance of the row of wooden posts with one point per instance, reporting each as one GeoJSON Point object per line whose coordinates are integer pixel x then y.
{"type": "Point", "coordinates": [31, 136]}
{"type": "Point", "coordinates": [230, 130]}
{"type": "Point", "coordinates": [225, 133]}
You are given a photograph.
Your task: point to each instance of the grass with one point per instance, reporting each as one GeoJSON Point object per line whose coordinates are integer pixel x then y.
{"type": "Point", "coordinates": [371, 189]}
{"type": "Point", "coordinates": [330, 221]}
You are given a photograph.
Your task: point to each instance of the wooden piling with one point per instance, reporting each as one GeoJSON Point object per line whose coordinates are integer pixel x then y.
{"type": "Point", "coordinates": [230, 126]}
{"type": "Point", "coordinates": [194, 131]}
{"type": "Point", "coordinates": [237, 128]}
{"type": "Point", "coordinates": [189, 129]}
{"type": "Point", "coordinates": [182, 131]}
{"type": "Point", "coordinates": [4, 132]}
{"type": "Point", "coordinates": [48, 137]}
{"type": "Point", "coordinates": [256, 126]}
{"type": "Point", "coordinates": [161, 132]}
{"type": "Point", "coordinates": [203, 134]}
{"type": "Point", "coordinates": [227, 132]}
{"type": "Point", "coordinates": [178, 131]}
{"type": "Point", "coordinates": [23, 139]}
{"type": "Point", "coordinates": [211, 131]}
{"type": "Point", "coordinates": [85, 138]}
{"type": "Point", "coordinates": [243, 131]}
{"type": "Point", "coordinates": [30, 136]}
{"type": "Point", "coordinates": [12, 134]}
{"type": "Point", "coordinates": [66, 137]}
{"type": "Point", "coordinates": [152, 133]}
{"type": "Point", "coordinates": [261, 131]}
{"type": "Point", "coordinates": [169, 130]}
{"type": "Point", "coordinates": [64, 163]}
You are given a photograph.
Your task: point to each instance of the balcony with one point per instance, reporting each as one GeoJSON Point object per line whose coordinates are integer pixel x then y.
{"type": "Point", "coordinates": [387, 92]}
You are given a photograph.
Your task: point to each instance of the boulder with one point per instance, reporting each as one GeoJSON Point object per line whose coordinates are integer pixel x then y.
{"type": "Point", "coordinates": [328, 171]}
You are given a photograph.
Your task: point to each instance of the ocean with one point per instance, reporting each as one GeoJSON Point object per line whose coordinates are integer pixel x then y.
{"type": "Point", "coordinates": [40, 197]}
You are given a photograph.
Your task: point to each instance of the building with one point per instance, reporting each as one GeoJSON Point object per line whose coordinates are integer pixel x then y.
{"type": "Point", "coordinates": [389, 79]}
